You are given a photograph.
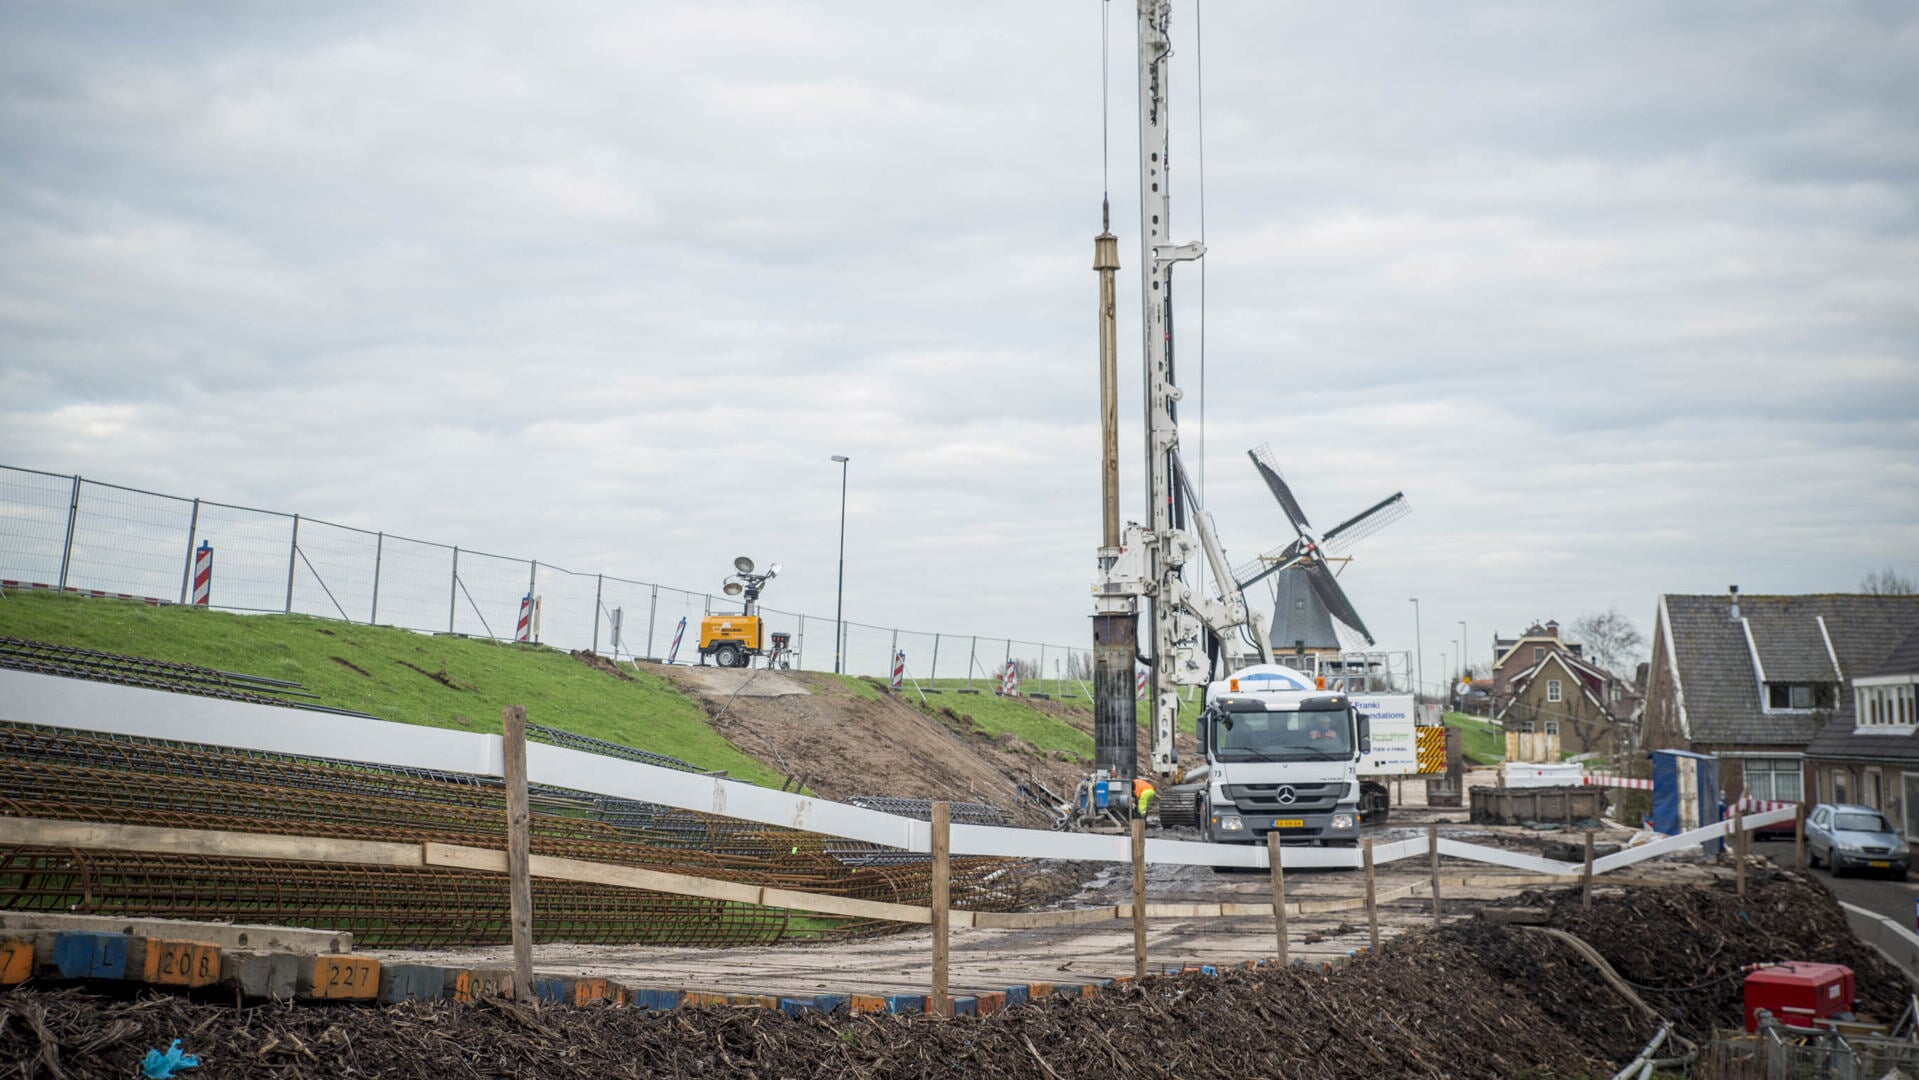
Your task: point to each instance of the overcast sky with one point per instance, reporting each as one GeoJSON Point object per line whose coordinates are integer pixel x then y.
{"type": "Point", "coordinates": [1623, 296]}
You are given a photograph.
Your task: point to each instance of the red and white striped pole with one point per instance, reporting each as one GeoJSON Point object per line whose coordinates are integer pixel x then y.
{"type": "Point", "coordinates": [899, 669]}
{"type": "Point", "coordinates": [203, 575]}
{"type": "Point", "coordinates": [1139, 686]}
{"type": "Point", "coordinates": [524, 630]}
{"type": "Point", "coordinates": [677, 635]}
{"type": "Point", "coordinates": [1009, 682]}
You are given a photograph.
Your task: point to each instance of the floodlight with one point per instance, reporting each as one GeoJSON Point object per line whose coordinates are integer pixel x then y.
{"type": "Point", "coordinates": [733, 588]}
{"type": "Point", "coordinates": [743, 564]}
{"type": "Point", "coordinates": [773, 571]}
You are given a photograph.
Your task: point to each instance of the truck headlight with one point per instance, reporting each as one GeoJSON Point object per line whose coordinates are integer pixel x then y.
{"type": "Point", "coordinates": [1342, 822]}
{"type": "Point", "coordinates": [1229, 824]}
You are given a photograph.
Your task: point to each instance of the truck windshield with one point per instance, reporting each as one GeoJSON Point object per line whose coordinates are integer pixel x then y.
{"type": "Point", "coordinates": [1282, 736]}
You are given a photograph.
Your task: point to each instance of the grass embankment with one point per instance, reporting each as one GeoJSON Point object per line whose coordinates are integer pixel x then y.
{"type": "Point", "coordinates": [434, 680]}
{"type": "Point", "coordinates": [1481, 739]}
{"type": "Point", "coordinates": [1027, 721]}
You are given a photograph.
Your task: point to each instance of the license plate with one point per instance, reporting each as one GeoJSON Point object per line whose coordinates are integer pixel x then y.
{"type": "Point", "coordinates": [1880, 864]}
{"type": "Point", "coordinates": [1297, 823]}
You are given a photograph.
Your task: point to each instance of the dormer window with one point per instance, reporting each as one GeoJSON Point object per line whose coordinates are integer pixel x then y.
{"type": "Point", "coordinates": [1539, 653]}
{"type": "Point", "coordinates": [1795, 697]}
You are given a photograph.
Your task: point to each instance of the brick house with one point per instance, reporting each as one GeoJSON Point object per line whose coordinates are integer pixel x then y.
{"type": "Point", "coordinates": [1754, 679]}
{"type": "Point", "coordinates": [1872, 756]}
{"type": "Point", "coordinates": [1563, 695]}
{"type": "Point", "coordinates": [1513, 657]}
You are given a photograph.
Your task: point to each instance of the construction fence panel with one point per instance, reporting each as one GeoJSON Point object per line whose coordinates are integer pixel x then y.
{"type": "Point", "coordinates": [635, 603]}
{"type": "Point", "coordinates": [416, 583]}
{"type": "Point", "coordinates": [252, 555]}
{"type": "Point", "coordinates": [566, 607]}
{"type": "Point", "coordinates": [33, 524]}
{"type": "Point", "coordinates": [491, 587]}
{"type": "Point", "coordinates": [128, 541]}
{"type": "Point", "coordinates": [333, 573]}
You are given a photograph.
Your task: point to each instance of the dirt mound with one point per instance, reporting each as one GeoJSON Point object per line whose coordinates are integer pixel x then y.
{"type": "Point", "coordinates": [842, 740]}
{"type": "Point", "coordinates": [1473, 1000]}
{"type": "Point", "coordinates": [600, 663]}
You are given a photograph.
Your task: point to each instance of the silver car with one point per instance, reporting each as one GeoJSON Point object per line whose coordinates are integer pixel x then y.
{"type": "Point", "coordinates": [1847, 837]}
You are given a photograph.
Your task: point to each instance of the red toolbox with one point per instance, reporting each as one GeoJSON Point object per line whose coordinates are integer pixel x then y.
{"type": "Point", "coordinates": [1797, 994]}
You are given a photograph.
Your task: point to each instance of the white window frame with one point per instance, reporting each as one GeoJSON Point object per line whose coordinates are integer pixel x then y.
{"type": "Point", "coordinates": [1554, 693]}
{"type": "Point", "coordinates": [1552, 727]}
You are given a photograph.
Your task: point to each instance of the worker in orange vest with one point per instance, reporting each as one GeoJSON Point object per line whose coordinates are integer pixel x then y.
{"type": "Point", "coordinates": [1143, 796]}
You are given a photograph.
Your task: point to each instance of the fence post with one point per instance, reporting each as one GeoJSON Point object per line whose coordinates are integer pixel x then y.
{"type": "Point", "coordinates": [379, 550]}
{"type": "Point", "coordinates": [1040, 675]}
{"type": "Point", "coordinates": [599, 586]}
{"type": "Point", "coordinates": [1139, 898]}
{"type": "Point", "coordinates": [1432, 841]}
{"type": "Point", "coordinates": [942, 897]}
{"type": "Point", "coordinates": [1372, 894]}
{"type": "Point", "coordinates": [193, 529]}
{"type": "Point", "coordinates": [971, 654]}
{"type": "Point", "coordinates": [293, 560]}
{"type": "Point", "coordinates": [934, 674]}
{"type": "Point", "coordinates": [1739, 848]}
{"type": "Point", "coordinates": [894, 653]}
{"type": "Point", "coordinates": [73, 516]}
{"type": "Point", "coordinates": [453, 589]}
{"type": "Point", "coordinates": [652, 609]}
{"type": "Point", "coordinates": [533, 578]}
{"type": "Point", "coordinates": [1586, 886]}
{"type": "Point", "coordinates": [518, 850]}
{"type": "Point", "coordinates": [1279, 892]}
{"type": "Point", "coordinates": [799, 641]}
{"type": "Point", "coordinates": [1799, 837]}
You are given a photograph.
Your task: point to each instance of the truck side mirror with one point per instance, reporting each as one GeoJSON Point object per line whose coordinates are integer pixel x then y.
{"type": "Point", "coordinates": [1365, 733]}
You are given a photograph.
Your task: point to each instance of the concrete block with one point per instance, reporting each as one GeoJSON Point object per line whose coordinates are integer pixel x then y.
{"type": "Point", "coordinates": [965, 1006]}
{"type": "Point", "coordinates": [411, 982]}
{"type": "Point", "coordinates": [859, 1004]}
{"type": "Point", "coordinates": [988, 1003]}
{"type": "Point", "coordinates": [472, 984]}
{"type": "Point", "coordinates": [764, 1001]}
{"type": "Point", "coordinates": [831, 1003]}
{"type": "Point", "coordinates": [691, 998]}
{"type": "Point", "coordinates": [1017, 995]}
{"type": "Point", "coordinates": [261, 975]}
{"type": "Point", "coordinates": [16, 961]}
{"type": "Point", "coordinates": [586, 990]}
{"type": "Point", "coordinates": [1516, 916]}
{"type": "Point", "coordinates": [336, 977]}
{"type": "Point", "coordinates": [83, 954]}
{"type": "Point", "coordinates": [1038, 990]}
{"type": "Point", "coordinates": [644, 997]}
{"type": "Point", "coordinates": [225, 935]}
{"type": "Point", "coordinates": [904, 1004]}
{"type": "Point", "coordinates": [797, 1006]}
{"type": "Point", "coordinates": [165, 962]}
{"type": "Point", "coordinates": [552, 990]}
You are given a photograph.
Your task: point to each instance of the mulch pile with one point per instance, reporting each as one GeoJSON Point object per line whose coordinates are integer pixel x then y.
{"type": "Point", "coordinates": [1474, 1000]}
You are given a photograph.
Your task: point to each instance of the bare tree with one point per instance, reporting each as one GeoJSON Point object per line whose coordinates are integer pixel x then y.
{"type": "Point", "coordinates": [1887, 582]}
{"type": "Point", "coordinates": [1611, 640]}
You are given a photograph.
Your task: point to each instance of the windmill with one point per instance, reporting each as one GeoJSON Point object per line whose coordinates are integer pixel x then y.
{"type": "Point", "coordinates": [1307, 594]}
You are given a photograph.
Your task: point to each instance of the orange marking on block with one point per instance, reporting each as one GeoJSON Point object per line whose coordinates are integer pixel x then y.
{"type": "Point", "coordinates": [180, 963]}
{"type": "Point", "coordinates": [865, 1003]}
{"type": "Point", "coordinates": [585, 990]}
{"type": "Point", "coordinates": [1088, 990]}
{"type": "Point", "coordinates": [695, 997]}
{"type": "Point", "coordinates": [470, 986]}
{"type": "Point", "coordinates": [1036, 991]}
{"type": "Point", "coordinates": [16, 961]}
{"type": "Point", "coordinates": [346, 978]}
{"type": "Point", "coordinates": [990, 1002]}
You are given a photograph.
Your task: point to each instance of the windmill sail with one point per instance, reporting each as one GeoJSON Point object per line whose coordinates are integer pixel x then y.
{"type": "Point", "coordinates": [1263, 461]}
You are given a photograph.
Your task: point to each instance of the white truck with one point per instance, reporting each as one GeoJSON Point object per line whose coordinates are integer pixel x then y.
{"type": "Point", "coordinates": [1284, 754]}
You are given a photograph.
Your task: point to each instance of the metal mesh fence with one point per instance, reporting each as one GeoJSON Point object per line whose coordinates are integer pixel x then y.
{"type": "Point", "coordinates": [66, 532]}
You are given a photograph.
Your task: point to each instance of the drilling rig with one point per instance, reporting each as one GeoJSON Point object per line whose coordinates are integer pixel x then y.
{"type": "Point", "coordinates": [1142, 566]}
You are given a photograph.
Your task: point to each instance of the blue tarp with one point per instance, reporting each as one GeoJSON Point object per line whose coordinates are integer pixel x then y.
{"type": "Point", "coordinates": [1681, 771]}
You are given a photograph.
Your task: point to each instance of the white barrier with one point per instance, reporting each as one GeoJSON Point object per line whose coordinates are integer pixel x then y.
{"type": "Point", "coordinates": [54, 701]}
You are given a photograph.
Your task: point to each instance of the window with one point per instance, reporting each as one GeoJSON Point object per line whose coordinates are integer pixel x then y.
{"type": "Point", "coordinates": [1552, 690]}
{"type": "Point", "coordinates": [1552, 727]}
{"type": "Point", "coordinates": [1912, 804]}
{"type": "Point", "coordinates": [1869, 789]}
{"type": "Point", "coordinates": [1800, 696]}
{"type": "Point", "coordinates": [1840, 789]}
{"type": "Point", "coordinates": [1884, 706]}
{"type": "Point", "coordinates": [1773, 779]}
{"type": "Point", "coordinates": [1539, 653]}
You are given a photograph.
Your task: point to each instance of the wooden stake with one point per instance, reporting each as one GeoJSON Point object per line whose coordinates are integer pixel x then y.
{"type": "Point", "coordinates": [1799, 837]}
{"type": "Point", "coordinates": [1372, 895]}
{"type": "Point", "coordinates": [1586, 886]}
{"type": "Point", "coordinates": [1739, 849]}
{"type": "Point", "coordinates": [1139, 898]}
{"type": "Point", "coordinates": [519, 816]}
{"type": "Point", "coordinates": [1432, 841]}
{"type": "Point", "coordinates": [1279, 893]}
{"type": "Point", "coordinates": [942, 899]}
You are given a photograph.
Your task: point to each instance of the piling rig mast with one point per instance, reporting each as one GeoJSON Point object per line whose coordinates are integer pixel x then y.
{"type": "Point", "coordinates": [1186, 628]}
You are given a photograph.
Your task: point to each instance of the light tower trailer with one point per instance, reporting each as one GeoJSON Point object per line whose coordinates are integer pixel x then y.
{"type": "Point", "coordinates": [1284, 754]}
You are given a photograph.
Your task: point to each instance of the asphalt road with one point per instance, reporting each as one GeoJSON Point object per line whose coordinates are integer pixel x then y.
{"type": "Point", "coordinates": [1887, 896]}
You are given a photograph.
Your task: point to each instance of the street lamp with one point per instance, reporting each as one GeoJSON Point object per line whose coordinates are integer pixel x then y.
{"type": "Point", "coordinates": [839, 602]}
{"type": "Point", "coordinates": [1465, 674]}
{"type": "Point", "coordinates": [1419, 659]}
{"type": "Point", "coordinates": [1449, 674]}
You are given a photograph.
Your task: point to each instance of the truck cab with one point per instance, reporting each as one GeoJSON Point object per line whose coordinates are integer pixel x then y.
{"type": "Point", "coordinates": [1283, 755]}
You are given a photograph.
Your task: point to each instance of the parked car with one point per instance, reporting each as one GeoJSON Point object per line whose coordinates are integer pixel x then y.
{"type": "Point", "coordinates": [1847, 837]}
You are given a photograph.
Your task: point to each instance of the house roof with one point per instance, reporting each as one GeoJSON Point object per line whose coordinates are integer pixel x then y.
{"type": "Point", "coordinates": [1714, 661]}
{"type": "Point", "coordinates": [1584, 675]}
{"type": "Point", "coordinates": [1904, 659]}
{"type": "Point", "coordinates": [1841, 738]}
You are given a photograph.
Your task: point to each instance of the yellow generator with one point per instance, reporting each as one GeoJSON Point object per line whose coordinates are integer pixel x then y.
{"type": "Point", "coordinates": [733, 640]}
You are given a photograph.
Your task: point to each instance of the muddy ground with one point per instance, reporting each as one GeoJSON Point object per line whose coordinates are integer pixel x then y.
{"type": "Point", "coordinates": [1472, 1000]}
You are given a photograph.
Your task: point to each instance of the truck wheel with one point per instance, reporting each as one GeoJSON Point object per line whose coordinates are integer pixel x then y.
{"type": "Point", "coordinates": [729, 655]}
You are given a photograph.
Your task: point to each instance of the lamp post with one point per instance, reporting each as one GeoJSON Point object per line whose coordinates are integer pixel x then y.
{"type": "Point", "coordinates": [1465, 673]}
{"type": "Point", "coordinates": [1419, 659]}
{"type": "Point", "coordinates": [1450, 679]}
{"type": "Point", "coordinates": [839, 601]}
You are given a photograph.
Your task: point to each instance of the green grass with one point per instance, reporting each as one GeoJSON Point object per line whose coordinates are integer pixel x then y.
{"type": "Point", "coordinates": [557, 690]}
{"type": "Point", "coordinates": [1481, 739]}
{"type": "Point", "coordinates": [1023, 719]}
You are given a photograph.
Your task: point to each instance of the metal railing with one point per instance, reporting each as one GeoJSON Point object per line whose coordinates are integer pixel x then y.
{"type": "Point", "coordinates": [69, 533]}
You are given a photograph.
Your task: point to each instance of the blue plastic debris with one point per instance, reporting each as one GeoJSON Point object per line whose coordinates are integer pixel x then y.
{"type": "Point", "coordinates": [158, 1066]}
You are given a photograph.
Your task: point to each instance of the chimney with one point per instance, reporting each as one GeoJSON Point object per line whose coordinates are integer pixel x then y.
{"type": "Point", "coordinates": [1732, 612]}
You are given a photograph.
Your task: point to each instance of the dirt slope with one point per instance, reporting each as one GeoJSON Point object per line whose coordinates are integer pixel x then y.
{"type": "Point", "coordinates": [846, 740]}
